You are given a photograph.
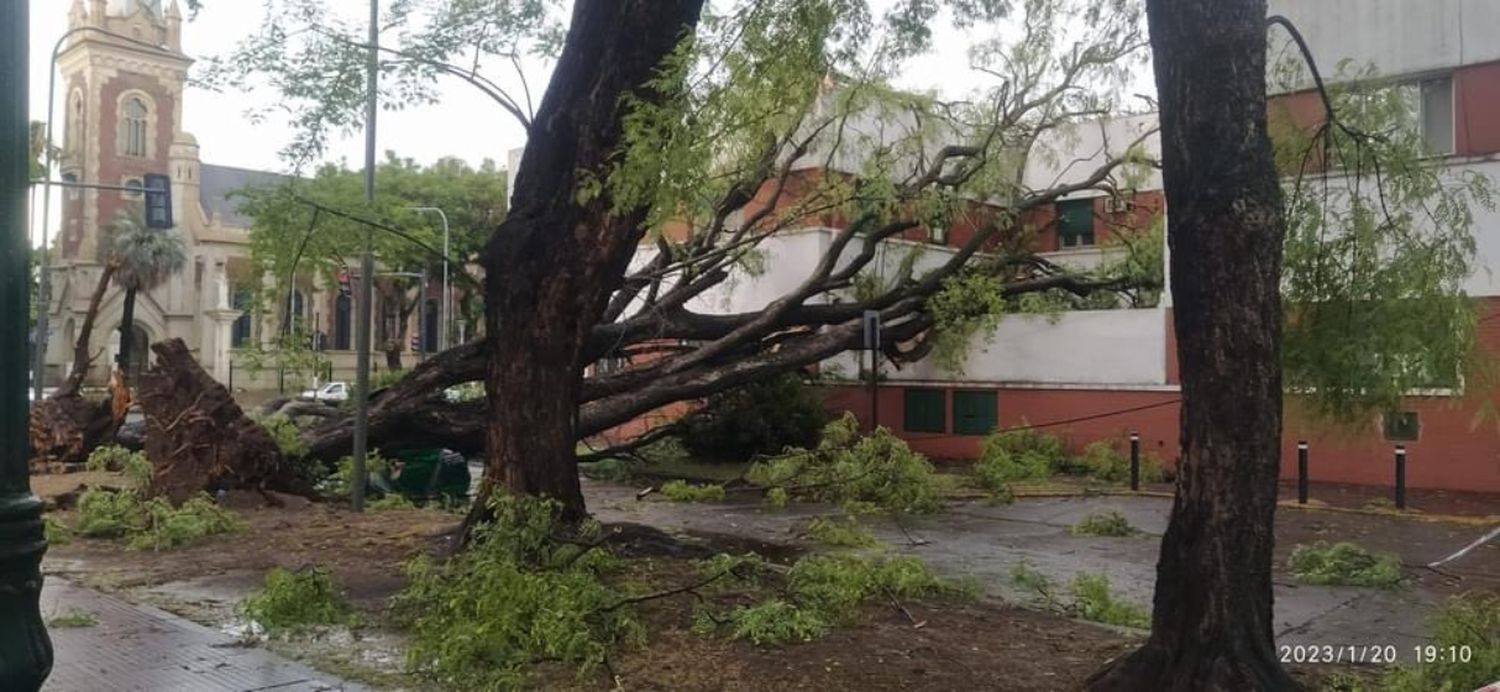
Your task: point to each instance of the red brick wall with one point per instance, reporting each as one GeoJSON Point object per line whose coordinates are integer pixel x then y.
{"type": "Point", "coordinates": [1452, 453]}
{"type": "Point", "coordinates": [114, 169]}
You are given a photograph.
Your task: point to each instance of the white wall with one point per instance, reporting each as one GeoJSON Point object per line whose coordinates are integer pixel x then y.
{"type": "Point", "coordinates": [1072, 153]}
{"type": "Point", "coordinates": [1399, 37]}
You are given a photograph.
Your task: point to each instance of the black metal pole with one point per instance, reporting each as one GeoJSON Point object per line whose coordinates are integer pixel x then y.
{"type": "Point", "coordinates": [1302, 472]}
{"type": "Point", "coordinates": [1135, 460]}
{"type": "Point", "coordinates": [1400, 476]}
{"type": "Point", "coordinates": [874, 392]}
{"type": "Point", "coordinates": [25, 650]}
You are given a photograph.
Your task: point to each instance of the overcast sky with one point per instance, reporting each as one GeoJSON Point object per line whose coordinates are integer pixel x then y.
{"type": "Point", "coordinates": [464, 123]}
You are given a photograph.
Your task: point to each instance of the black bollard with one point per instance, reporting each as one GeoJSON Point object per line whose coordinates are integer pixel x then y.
{"type": "Point", "coordinates": [1302, 472]}
{"type": "Point", "coordinates": [1135, 460]}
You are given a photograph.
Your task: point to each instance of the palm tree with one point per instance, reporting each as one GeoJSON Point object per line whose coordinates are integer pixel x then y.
{"type": "Point", "coordinates": [144, 258]}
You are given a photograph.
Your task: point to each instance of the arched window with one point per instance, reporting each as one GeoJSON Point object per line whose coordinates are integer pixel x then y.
{"type": "Point", "coordinates": [133, 126]}
{"type": "Point", "coordinates": [72, 191]}
{"type": "Point", "coordinates": [299, 305]}
{"type": "Point", "coordinates": [343, 306]}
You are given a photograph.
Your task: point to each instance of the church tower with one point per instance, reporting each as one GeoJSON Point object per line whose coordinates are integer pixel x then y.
{"type": "Point", "coordinates": [122, 86]}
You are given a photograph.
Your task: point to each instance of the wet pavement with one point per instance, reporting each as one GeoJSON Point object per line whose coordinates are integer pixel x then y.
{"type": "Point", "coordinates": [134, 647]}
{"type": "Point", "coordinates": [984, 542]}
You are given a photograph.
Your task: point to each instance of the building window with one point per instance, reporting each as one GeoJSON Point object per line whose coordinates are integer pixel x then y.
{"type": "Point", "coordinates": [133, 127]}
{"type": "Point", "coordinates": [1402, 426]}
{"type": "Point", "coordinates": [1437, 115]}
{"type": "Point", "coordinates": [342, 307]}
{"type": "Point", "coordinates": [1075, 223]}
{"type": "Point", "coordinates": [74, 135]}
{"type": "Point", "coordinates": [136, 188]}
{"type": "Point", "coordinates": [611, 365]}
{"type": "Point", "coordinates": [925, 410]}
{"type": "Point", "coordinates": [240, 334]}
{"type": "Point", "coordinates": [72, 191]}
{"type": "Point", "coordinates": [975, 412]}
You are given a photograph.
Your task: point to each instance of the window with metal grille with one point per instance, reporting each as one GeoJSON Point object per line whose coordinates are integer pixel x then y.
{"type": "Point", "coordinates": [1075, 223]}
{"type": "Point", "coordinates": [925, 410]}
{"type": "Point", "coordinates": [1402, 426]}
{"type": "Point", "coordinates": [975, 412]}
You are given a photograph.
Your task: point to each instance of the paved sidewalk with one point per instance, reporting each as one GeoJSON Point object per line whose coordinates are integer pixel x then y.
{"type": "Point", "coordinates": [142, 648]}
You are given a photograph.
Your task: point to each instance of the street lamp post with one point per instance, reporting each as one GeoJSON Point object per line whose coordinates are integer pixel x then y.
{"type": "Point", "coordinates": [25, 650]}
{"type": "Point", "coordinates": [367, 267]}
{"type": "Point", "coordinates": [44, 279]}
{"type": "Point", "coordinates": [446, 305]}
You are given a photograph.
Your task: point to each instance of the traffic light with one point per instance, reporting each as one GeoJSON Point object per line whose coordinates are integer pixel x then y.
{"type": "Point", "coordinates": [158, 201]}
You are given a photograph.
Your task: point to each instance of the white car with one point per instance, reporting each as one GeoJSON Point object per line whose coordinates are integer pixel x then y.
{"type": "Point", "coordinates": [333, 391]}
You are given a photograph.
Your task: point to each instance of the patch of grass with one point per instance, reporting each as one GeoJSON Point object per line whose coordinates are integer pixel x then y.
{"type": "Point", "coordinates": [528, 588]}
{"type": "Point", "coordinates": [170, 527]}
{"type": "Point", "coordinates": [1344, 564]}
{"type": "Point", "coordinates": [1105, 461]}
{"type": "Point", "coordinates": [57, 532]}
{"type": "Point", "coordinates": [827, 591]}
{"type": "Point", "coordinates": [1467, 632]}
{"type": "Point", "coordinates": [683, 491]}
{"type": "Point", "coordinates": [151, 523]}
{"type": "Point", "coordinates": [1092, 600]}
{"type": "Point", "coordinates": [1111, 524]}
{"type": "Point", "coordinates": [134, 465]}
{"type": "Point", "coordinates": [73, 619]}
{"type": "Point", "coordinates": [860, 472]}
{"type": "Point", "coordinates": [1089, 597]}
{"type": "Point", "coordinates": [1016, 455]}
{"type": "Point", "coordinates": [293, 601]}
{"type": "Point", "coordinates": [391, 501]}
{"type": "Point", "coordinates": [845, 534]}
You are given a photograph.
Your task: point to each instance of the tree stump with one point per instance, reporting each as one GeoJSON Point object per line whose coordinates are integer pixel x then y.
{"type": "Point", "coordinates": [199, 439]}
{"type": "Point", "coordinates": [64, 428]}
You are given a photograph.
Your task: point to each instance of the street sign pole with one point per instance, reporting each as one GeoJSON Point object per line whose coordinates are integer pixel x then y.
{"type": "Point", "coordinates": [25, 650]}
{"type": "Point", "coordinates": [872, 344]}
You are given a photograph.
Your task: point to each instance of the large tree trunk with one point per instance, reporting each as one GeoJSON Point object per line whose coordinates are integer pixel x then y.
{"type": "Point", "coordinates": [553, 263]}
{"type": "Point", "coordinates": [199, 439]}
{"type": "Point", "coordinates": [66, 427]}
{"type": "Point", "coordinates": [127, 332]}
{"type": "Point", "coordinates": [1212, 622]}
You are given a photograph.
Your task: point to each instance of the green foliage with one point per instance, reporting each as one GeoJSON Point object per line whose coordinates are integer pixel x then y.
{"type": "Point", "coordinates": [134, 465]}
{"type": "Point", "coordinates": [1375, 260]}
{"type": "Point", "coordinates": [292, 601]}
{"type": "Point", "coordinates": [387, 378]}
{"type": "Point", "coordinates": [391, 501]}
{"type": "Point", "coordinates": [341, 482]}
{"type": "Point", "coordinates": [775, 621]}
{"type": "Point", "coordinates": [168, 527]}
{"type": "Point", "coordinates": [73, 619]}
{"type": "Point", "coordinates": [826, 591]}
{"type": "Point", "coordinates": [57, 533]}
{"type": "Point", "coordinates": [1110, 523]}
{"type": "Point", "coordinates": [1105, 461]}
{"type": "Point", "coordinates": [683, 491]}
{"type": "Point", "coordinates": [879, 470]}
{"type": "Point", "coordinates": [1093, 601]}
{"type": "Point", "coordinates": [1344, 564]}
{"type": "Point", "coordinates": [145, 257]}
{"type": "Point", "coordinates": [519, 594]}
{"type": "Point", "coordinates": [1022, 454]}
{"type": "Point", "coordinates": [764, 417]}
{"type": "Point", "coordinates": [1468, 623]}
{"type": "Point", "coordinates": [777, 497]}
{"type": "Point", "coordinates": [104, 513]}
{"type": "Point", "coordinates": [150, 523]}
{"type": "Point", "coordinates": [612, 470]}
{"type": "Point", "coordinates": [286, 435]}
{"type": "Point", "coordinates": [846, 534]}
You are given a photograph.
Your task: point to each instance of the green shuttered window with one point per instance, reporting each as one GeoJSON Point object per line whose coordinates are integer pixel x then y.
{"type": "Point", "coordinates": [926, 410]}
{"type": "Point", "coordinates": [975, 412]}
{"type": "Point", "coordinates": [1075, 223]}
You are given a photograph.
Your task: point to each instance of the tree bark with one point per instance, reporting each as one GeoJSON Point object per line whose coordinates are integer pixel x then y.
{"type": "Point", "coordinates": [1212, 626]}
{"type": "Point", "coordinates": [127, 325]}
{"type": "Point", "coordinates": [81, 356]}
{"type": "Point", "coordinates": [553, 263]}
{"type": "Point", "coordinates": [199, 439]}
{"type": "Point", "coordinates": [66, 427]}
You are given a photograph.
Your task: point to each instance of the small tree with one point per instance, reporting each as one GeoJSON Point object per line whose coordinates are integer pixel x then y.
{"type": "Point", "coordinates": [144, 257]}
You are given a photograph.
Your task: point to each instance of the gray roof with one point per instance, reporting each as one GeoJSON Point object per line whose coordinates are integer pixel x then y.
{"type": "Point", "coordinates": [218, 181]}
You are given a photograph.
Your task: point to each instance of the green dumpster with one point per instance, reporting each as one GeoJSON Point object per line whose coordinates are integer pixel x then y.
{"type": "Point", "coordinates": [427, 474]}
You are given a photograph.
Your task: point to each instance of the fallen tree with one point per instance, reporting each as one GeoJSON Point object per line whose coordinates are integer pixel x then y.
{"type": "Point", "coordinates": [198, 438]}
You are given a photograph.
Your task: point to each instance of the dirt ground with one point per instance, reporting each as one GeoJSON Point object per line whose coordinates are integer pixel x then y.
{"type": "Point", "coordinates": [988, 644]}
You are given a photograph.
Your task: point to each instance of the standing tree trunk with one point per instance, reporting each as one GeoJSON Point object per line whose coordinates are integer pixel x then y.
{"type": "Point", "coordinates": [1212, 624]}
{"type": "Point", "coordinates": [553, 263]}
{"type": "Point", "coordinates": [127, 332]}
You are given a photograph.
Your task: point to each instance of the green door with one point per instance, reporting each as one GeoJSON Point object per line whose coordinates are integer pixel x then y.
{"type": "Point", "coordinates": [975, 411]}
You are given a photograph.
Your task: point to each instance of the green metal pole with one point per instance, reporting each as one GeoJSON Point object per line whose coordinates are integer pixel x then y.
{"type": "Point", "coordinates": [25, 650]}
